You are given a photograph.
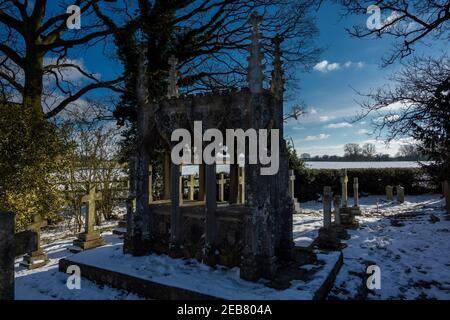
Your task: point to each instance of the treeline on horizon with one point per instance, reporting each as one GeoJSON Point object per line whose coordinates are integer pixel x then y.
{"type": "Point", "coordinates": [368, 152]}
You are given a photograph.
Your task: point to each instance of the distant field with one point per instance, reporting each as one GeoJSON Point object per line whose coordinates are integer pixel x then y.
{"type": "Point", "coordinates": [360, 165]}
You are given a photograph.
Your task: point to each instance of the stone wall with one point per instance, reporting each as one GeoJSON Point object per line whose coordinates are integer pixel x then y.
{"type": "Point", "coordinates": [230, 228]}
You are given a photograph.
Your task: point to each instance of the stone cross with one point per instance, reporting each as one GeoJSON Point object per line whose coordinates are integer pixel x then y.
{"type": "Point", "coordinates": [327, 197]}
{"type": "Point", "coordinates": [400, 194]}
{"type": "Point", "coordinates": [221, 183]}
{"type": "Point", "coordinates": [36, 258]}
{"type": "Point", "coordinates": [292, 184]}
{"type": "Point", "coordinates": [191, 187]}
{"type": "Point", "coordinates": [356, 192]}
{"type": "Point", "coordinates": [172, 91]}
{"type": "Point", "coordinates": [90, 199]}
{"type": "Point", "coordinates": [344, 182]}
{"type": "Point", "coordinates": [389, 193]}
{"type": "Point", "coordinates": [241, 189]}
{"type": "Point", "coordinates": [337, 214]}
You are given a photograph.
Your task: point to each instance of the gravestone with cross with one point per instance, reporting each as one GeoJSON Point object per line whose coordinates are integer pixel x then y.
{"type": "Point", "coordinates": [12, 245]}
{"type": "Point", "coordinates": [90, 238]}
{"type": "Point", "coordinates": [36, 258]}
{"type": "Point", "coordinates": [295, 202]}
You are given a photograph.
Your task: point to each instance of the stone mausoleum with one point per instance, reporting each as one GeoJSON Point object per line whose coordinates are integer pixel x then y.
{"type": "Point", "coordinates": [253, 228]}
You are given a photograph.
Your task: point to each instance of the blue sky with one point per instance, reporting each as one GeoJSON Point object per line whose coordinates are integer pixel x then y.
{"type": "Point", "coordinates": [328, 90]}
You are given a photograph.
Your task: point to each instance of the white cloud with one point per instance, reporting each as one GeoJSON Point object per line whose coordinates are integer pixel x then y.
{"type": "Point", "coordinates": [321, 136]}
{"type": "Point", "coordinates": [325, 118]}
{"type": "Point", "coordinates": [363, 132]}
{"type": "Point", "coordinates": [325, 66]}
{"type": "Point", "coordinates": [339, 125]}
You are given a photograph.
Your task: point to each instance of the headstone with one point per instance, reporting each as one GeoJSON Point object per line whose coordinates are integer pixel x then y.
{"type": "Point", "coordinates": [337, 206]}
{"type": "Point", "coordinates": [221, 183]}
{"type": "Point", "coordinates": [356, 192]}
{"type": "Point", "coordinates": [37, 258]}
{"type": "Point", "coordinates": [400, 194]}
{"type": "Point", "coordinates": [344, 182]}
{"type": "Point", "coordinates": [90, 238]}
{"type": "Point", "coordinates": [7, 226]}
{"type": "Point", "coordinates": [389, 193]}
{"type": "Point", "coordinates": [295, 202]}
{"type": "Point", "coordinates": [327, 198]}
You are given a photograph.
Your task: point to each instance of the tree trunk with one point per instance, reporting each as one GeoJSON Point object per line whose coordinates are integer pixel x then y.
{"type": "Point", "coordinates": [33, 90]}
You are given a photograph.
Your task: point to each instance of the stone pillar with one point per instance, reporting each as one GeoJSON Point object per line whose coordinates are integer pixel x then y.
{"type": "Point", "coordinates": [221, 183]}
{"type": "Point", "coordinates": [344, 182]}
{"type": "Point", "coordinates": [150, 184]}
{"type": "Point", "coordinates": [327, 198]}
{"type": "Point", "coordinates": [356, 192]}
{"type": "Point", "coordinates": [38, 258]}
{"type": "Point", "coordinates": [446, 191]}
{"type": "Point", "coordinates": [7, 255]}
{"type": "Point", "coordinates": [337, 207]}
{"type": "Point", "coordinates": [201, 182]}
{"type": "Point", "coordinates": [175, 218]}
{"type": "Point", "coordinates": [191, 187]}
{"type": "Point", "coordinates": [400, 194]}
{"type": "Point", "coordinates": [292, 184]}
{"type": "Point", "coordinates": [166, 174]}
{"type": "Point", "coordinates": [90, 238]}
{"type": "Point", "coordinates": [210, 207]}
{"type": "Point", "coordinates": [389, 193]}
{"type": "Point", "coordinates": [234, 183]}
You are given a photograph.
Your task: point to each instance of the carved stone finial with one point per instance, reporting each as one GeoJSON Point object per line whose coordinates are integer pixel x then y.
{"type": "Point", "coordinates": [172, 90]}
{"type": "Point", "coordinates": [255, 75]}
{"type": "Point", "coordinates": [277, 82]}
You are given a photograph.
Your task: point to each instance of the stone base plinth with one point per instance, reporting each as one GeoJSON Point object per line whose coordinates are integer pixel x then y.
{"type": "Point", "coordinates": [35, 260]}
{"type": "Point", "coordinates": [329, 239]}
{"type": "Point", "coordinates": [88, 241]}
{"type": "Point", "coordinates": [296, 206]}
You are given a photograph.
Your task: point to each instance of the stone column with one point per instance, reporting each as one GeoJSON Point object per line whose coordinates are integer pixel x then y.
{"type": "Point", "coordinates": [389, 193]}
{"type": "Point", "coordinates": [7, 253]}
{"type": "Point", "coordinates": [327, 198]}
{"type": "Point", "coordinates": [166, 174]}
{"type": "Point", "coordinates": [400, 194]}
{"type": "Point", "coordinates": [201, 182]}
{"type": "Point", "coordinates": [191, 187]}
{"type": "Point", "coordinates": [221, 183]}
{"type": "Point", "coordinates": [344, 182]}
{"type": "Point", "coordinates": [150, 184]}
{"type": "Point", "coordinates": [446, 191]}
{"type": "Point", "coordinates": [210, 207]}
{"type": "Point", "coordinates": [175, 218]}
{"type": "Point", "coordinates": [234, 183]}
{"type": "Point", "coordinates": [337, 207]}
{"type": "Point", "coordinates": [356, 192]}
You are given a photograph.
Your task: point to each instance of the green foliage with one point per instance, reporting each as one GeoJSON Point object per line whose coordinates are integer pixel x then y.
{"type": "Point", "coordinates": [30, 152]}
{"type": "Point", "coordinates": [310, 182]}
{"type": "Point", "coordinates": [295, 163]}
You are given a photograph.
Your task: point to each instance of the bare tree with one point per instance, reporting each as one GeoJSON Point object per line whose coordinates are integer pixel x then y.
{"type": "Point", "coordinates": [369, 150]}
{"type": "Point", "coordinates": [408, 22]}
{"type": "Point", "coordinates": [34, 53]}
{"type": "Point", "coordinates": [352, 151]}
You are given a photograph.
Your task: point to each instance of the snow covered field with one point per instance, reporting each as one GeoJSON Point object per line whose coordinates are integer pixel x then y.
{"type": "Point", "coordinates": [405, 240]}
{"type": "Point", "coordinates": [361, 165]}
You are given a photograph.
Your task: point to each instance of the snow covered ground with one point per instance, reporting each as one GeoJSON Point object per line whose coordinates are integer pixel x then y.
{"type": "Point", "coordinates": [411, 250]}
